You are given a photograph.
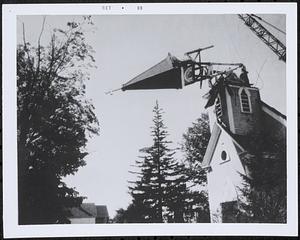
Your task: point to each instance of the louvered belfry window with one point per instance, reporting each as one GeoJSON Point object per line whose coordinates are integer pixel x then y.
{"type": "Point", "coordinates": [218, 107]}
{"type": "Point", "coordinates": [245, 102]}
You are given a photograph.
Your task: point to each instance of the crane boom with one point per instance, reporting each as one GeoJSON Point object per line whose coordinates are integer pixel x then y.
{"type": "Point", "coordinates": [268, 38]}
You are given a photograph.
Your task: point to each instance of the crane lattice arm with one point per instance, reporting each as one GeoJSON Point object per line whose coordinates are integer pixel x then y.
{"type": "Point", "coordinates": [268, 38]}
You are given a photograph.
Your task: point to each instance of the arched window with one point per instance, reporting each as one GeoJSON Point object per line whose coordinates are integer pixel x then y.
{"type": "Point", "coordinates": [245, 100]}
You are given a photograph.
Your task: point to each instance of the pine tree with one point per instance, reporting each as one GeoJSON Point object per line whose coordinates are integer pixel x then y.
{"type": "Point", "coordinates": [160, 187]}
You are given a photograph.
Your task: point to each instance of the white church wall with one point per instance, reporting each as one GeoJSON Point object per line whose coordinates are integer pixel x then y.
{"type": "Point", "coordinates": [224, 178]}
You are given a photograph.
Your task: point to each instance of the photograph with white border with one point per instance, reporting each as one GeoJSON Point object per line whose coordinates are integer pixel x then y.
{"type": "Point", "coordinates": [150, 119]}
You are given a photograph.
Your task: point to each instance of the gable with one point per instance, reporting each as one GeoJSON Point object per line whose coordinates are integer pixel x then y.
{"type": "Point", "coordinates": [225, 154]}
{"type": "Point", "coordinates": [225, 169]}
{"type": "Point", "coordinates": [214, 140]}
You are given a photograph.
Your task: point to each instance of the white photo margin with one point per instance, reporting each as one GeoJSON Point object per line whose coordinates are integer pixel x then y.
{"type": "Point", "coordinates": [9, 90]}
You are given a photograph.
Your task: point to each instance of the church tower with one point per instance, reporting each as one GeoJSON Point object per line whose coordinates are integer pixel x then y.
{"type": "Point", "coordinates": [237, 104]}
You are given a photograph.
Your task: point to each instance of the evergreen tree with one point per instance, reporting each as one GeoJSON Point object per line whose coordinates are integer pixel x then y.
{"type": "Point", "coordinates": [194, 145]}
{"type": "Point", "coordinates": [54, 119]}
{"type": "Point", "coordinates": [160, 188]}
{"type": "Point", "coordinates": [264, 196]}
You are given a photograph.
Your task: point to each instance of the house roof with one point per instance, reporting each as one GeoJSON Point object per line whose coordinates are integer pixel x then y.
{"type": "Point", "coordinates": [102, 211]}
{"type": "Point", "coordinates": [89, 210]}
{"type": "Point", "coordinates": [85, 210]}
{"type": "Point", "coordinates": [273, 113]}
{"type": "Point", "coordinates": [241, 143]}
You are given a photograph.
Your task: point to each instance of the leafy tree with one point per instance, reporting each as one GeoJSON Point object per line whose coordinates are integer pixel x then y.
{"type": "Point", "coordinates": [120, 216]}
{"type": "Point", "coordinates": [158, 194]}
{"type": "Point", "coordinates": [194, 145]}
{"type": "Point", "coordinates": [263, 198]}
{"type": "Point", "coordinates": [133, 214]}
{"type": "Point", "coordinates": [54, 119]}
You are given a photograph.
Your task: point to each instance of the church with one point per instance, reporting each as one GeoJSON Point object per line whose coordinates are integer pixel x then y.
{"type": "Point", "coordinates": [237, 118]}
{"type": "Point", "coordinates": [239, 123]}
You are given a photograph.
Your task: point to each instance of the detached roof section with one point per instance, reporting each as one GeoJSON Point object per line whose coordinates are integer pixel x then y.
{"type": "Point", "coordinates": [165, 74]}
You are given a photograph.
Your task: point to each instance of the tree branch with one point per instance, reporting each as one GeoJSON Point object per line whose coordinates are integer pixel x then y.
{"type": "Point", "coordinates": [39, 46]}
{"type": "Point", "coordinates": [52, 54]}
{"type": "Point", "coordinates": [26, 50]}
{"type": "Point", "coordinates": [25, 46]}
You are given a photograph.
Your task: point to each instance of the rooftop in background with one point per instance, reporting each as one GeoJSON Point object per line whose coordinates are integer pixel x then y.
{"type": "Point", "coordinates": [96, 213]}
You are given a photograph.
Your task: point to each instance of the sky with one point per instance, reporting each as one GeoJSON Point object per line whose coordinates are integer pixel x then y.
{"type": "Point", "coordinates": [127, 45]}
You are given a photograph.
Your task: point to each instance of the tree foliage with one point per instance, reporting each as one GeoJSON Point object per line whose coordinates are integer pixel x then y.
{"type": "Point", "coordinates": [165, 190]}
{"type": "Point", "coordinates": [54, 119]}
{"type": "Point", "coordinates": [194, 145]}
{"type": "Point", "coordinates": [159, 192]}
{"type": "Point", "coordinates": [134, 213]}
{"type": "Point", "coordinates": [264, 196]}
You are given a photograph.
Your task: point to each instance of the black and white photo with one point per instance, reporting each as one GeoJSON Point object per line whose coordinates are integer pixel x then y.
{"type": "Point", "coordinates": [151, 120]}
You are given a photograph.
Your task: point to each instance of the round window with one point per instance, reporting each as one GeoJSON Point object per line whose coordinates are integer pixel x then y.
{"type": "Point", "coordinates": [223, 155]}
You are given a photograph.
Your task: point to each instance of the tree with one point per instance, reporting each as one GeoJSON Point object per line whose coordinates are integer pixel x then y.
{"type": "Point", "coordinates": [133, 214]}
{"type": "Point", "coordinates": [264, 196]}
{"type": "Point", "coordinates": [54, 119]}
{"type": "Point", "coordinates": [194, 145]}
{"type": "Point", "coordinates": [158, 194]}
{"type": "Point", "coordinates": [120, 216]}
